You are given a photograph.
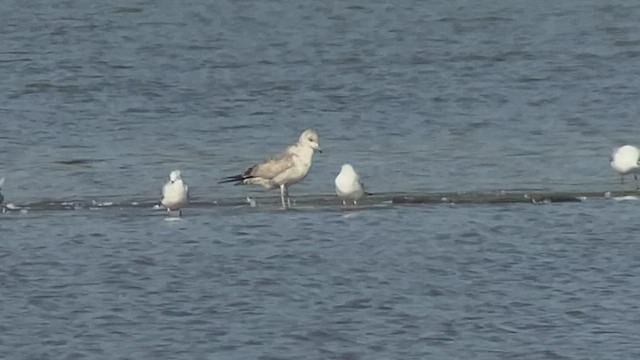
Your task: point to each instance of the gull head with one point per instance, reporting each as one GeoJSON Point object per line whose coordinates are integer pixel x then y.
{"type": "Point", "coordinates": [175, 175]}
{"type": "Point", "coordinates": [310, 138]}
{"type": "Point", "coordinates": [348, 171]}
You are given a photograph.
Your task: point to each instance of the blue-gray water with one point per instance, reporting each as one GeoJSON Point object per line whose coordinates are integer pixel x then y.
{"type": "Point", "coordinates": [101, 100]}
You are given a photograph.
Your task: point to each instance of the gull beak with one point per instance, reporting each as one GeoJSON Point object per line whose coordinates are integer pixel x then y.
{"type": "Point", "coordinates": [319, 150]}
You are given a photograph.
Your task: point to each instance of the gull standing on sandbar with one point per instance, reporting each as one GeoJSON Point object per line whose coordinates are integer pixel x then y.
{"type": "Point", "coordinates": [1, 183]}
{"type": "Point", "coordinates": [624, 160]}
{"type": "Point", "coordinates": [348, 185]}
{"type": "Point", "coordinates": [282, 170]}
{"type": "Point", "coordinates": [175, 193]}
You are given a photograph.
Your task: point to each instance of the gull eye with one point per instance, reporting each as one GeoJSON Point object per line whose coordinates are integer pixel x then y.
{"type": "Point", "coordinates": [311, 139]}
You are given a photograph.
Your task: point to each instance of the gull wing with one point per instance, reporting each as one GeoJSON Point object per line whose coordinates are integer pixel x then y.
{"type": "Point", "coordinates": [273, 166]}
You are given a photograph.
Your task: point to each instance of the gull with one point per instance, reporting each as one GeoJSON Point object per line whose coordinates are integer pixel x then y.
{"type": "Point", "coordinates": [1, 184]}
{"type": "Point", "coordinates": [348, 185]}
{"type": "Point", "coordinates": [175, 193]}
{"type": "Point", "coordinates": [283, 170]}
{"type": "Point", "coordinates": [624, 160]}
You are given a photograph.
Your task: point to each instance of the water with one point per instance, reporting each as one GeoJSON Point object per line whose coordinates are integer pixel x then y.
{"type": "Point", "coordinates": [99, 102]}
{"type": "Point", "coordinates": [518, 281]}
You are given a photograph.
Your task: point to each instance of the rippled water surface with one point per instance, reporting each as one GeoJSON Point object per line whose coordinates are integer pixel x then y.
{"type": "Point", "coordinates": [99, 101]}
{"type": "Point", "coordinates": [484, 282]}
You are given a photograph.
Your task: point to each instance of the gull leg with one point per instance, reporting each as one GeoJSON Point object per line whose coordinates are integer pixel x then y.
{"type": "Point", "coordinates": [344, 203]}
{"type": "Point", "coordinates": [286, 192]}
{"type": "Point", "coordinates": [355, 202]}
{"type": "Point", "coordinates": [282, 196]}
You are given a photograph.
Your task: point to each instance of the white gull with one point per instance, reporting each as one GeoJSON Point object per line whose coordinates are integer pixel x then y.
{"type": "Point", "coordinates": [175, 193]}
{"type": "Point", "coordinates": [624, 160]}
{"type": "Point", "coordinates": [348, 185]}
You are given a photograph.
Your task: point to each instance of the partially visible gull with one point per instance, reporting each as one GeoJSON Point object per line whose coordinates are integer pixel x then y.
{"type": "Point", "coordinates": [1, 184]}
{"type": "Point", "coordinates": [624, 160]}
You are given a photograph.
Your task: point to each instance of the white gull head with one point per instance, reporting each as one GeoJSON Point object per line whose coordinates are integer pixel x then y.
{"type": "Point", "coordinates": [175, 175]}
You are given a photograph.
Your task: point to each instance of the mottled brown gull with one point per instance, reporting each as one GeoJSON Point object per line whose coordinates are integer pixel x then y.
{"type": "Point", "coordinates": [283, 170]}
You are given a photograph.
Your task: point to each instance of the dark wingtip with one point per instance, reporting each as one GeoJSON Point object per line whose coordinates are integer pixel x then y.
{"type": "Point", "coordinates": [229, 179]}
{"type": "Point", "coordinates": [238, 179]}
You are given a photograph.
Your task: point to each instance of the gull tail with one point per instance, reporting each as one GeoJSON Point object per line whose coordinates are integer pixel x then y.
{"type": "Point", "coordinates": [365, 191]}
{"type": "Point", "coordinates": [237, 179]}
